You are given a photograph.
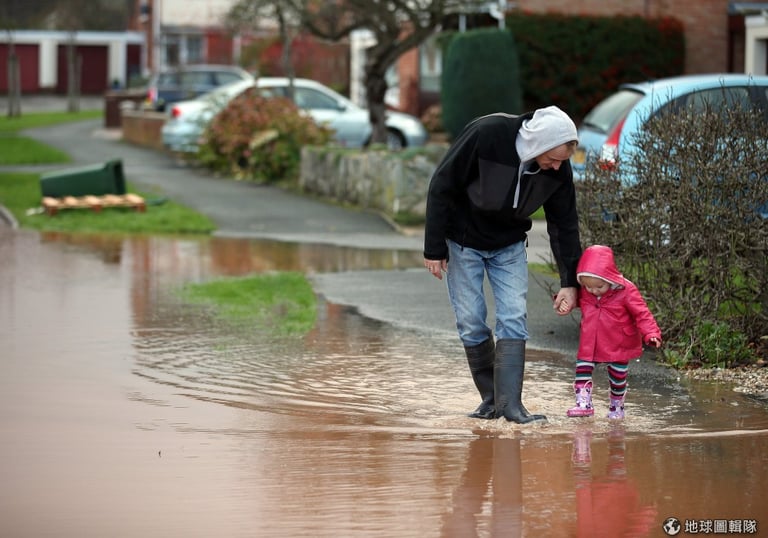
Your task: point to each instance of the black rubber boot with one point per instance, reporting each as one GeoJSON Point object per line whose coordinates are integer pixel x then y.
{"type": "Point", "coordinates": [508, 373]}
{"type": "Point", "coordinates": [481, 358]}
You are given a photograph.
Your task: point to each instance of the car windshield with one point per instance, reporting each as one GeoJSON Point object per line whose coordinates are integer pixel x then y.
{"type": "Point", "coordinates": [611, 110]}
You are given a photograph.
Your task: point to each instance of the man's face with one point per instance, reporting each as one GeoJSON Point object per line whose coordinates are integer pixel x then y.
{"type": "Point", "coordinates": [553, 158]}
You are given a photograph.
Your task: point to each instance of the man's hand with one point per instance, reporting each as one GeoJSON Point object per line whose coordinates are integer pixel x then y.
{"type": "Point", "coordinates": [566, 300]}
{"type": "Point", "coordinates": [436, 267]}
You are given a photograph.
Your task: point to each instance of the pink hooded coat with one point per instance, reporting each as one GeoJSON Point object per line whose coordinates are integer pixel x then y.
{"type": "Point", "coordinates": [614, 326]}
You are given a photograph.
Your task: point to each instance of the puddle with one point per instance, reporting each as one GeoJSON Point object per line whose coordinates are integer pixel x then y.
{"type": "Point", "coordinates": [126, 413]}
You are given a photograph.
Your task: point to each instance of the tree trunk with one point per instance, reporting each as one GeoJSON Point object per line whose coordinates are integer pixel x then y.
{"type": "Point", "coordinates": [375, 90]}
{"type": "Point", "coordinates": [14, 84]}
{"type": "Point", "coordinates": [73, 77]}
{"type": "Point", "coordinates": [286, 57]}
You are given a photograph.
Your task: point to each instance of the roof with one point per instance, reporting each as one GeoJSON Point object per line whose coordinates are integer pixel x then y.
{"type": "Point", "coordinates": [708, 80]}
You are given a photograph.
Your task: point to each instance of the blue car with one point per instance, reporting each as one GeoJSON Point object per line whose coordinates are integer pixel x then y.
{"type": "Point", "coordinates": [190, 81]}
{"type": "Point", "coordinates": [607, 133]}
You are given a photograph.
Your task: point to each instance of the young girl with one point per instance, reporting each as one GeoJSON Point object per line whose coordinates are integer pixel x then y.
{"type": "Point", "coordinates": [615, 322]}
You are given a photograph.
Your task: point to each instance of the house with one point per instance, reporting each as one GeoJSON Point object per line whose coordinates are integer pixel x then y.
{"type": "Point", "coordinates": [105, 59]}
{"type": "Point", "coordinates": [721, 36]}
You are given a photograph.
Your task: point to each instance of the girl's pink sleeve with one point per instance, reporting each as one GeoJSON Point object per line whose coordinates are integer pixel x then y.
{"type": "Point", "coordinates": [642, 315]}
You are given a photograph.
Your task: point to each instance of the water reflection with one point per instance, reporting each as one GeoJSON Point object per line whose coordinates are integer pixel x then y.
{"type": "Point", "coordinates": [608, 501]}
{"type": "Point", "coordinates": [125, 412]}
{"type": "Point", "coordinates": [488, 501]}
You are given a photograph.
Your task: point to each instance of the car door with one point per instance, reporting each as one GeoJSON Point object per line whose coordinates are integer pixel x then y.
{"type": "Point", "coordinates": [350, 124]}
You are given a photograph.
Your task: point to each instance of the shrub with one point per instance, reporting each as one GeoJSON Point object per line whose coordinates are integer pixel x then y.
{"type": "Point", "coordinates": [711, 344]}
{"type": "Point", "coordinates": [260, 138]}
{"type": "Point", "coordinates": [433, 119]}
{"type": "Point", "coordinates": [575, 61]}
{"type": "Point", "coordinates": [689, 231]}
{"type": "Point", "coordinates": [468, 90]}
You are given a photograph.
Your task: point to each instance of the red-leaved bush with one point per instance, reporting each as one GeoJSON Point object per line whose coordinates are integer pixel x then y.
{"type": "Point", "coordinates": [260, 138]}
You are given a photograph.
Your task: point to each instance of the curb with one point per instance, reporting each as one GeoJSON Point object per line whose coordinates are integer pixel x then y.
{"type": "Point", "coordinates": [8, 218]}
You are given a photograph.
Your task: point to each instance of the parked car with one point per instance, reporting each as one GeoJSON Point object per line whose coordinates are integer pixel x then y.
{"type": "Point", "coordinates": [608, 131]}
{"type": "Point", "coordinates": [351, 124]}
{"type": "Point", "coordinates": [188, 82]}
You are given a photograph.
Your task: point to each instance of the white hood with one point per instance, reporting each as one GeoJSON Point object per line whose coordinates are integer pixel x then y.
{"type": "Point", "coordinates": [548, 128]}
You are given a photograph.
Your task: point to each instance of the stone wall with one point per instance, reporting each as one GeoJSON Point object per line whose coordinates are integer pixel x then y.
{"type": "Point", "coordinates": [390, 182]}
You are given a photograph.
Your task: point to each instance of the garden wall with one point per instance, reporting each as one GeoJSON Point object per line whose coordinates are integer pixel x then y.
{"type": "Point", "coordinates": [142, 127]}
{"type": "Point", "coordinates": [393, 183]}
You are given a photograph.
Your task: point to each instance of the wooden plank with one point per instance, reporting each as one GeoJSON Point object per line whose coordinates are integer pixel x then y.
{"type": "Point", "coordinates": [95, 203]}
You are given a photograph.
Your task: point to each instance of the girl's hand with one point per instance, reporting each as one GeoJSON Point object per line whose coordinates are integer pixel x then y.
{"type": "Point", "coordinates": [655, 342]}
{"type": "Point", "coordinates": [565, 301]}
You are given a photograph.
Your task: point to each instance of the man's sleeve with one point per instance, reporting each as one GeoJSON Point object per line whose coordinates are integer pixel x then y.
{"type": "Point", "coordinates": [451, 176]}
{"type": "Point", "coordinates": [563, 229]}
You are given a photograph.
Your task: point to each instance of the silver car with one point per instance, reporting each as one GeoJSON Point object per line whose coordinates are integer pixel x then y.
{"type": "Point", "coordinates": [188, 119]}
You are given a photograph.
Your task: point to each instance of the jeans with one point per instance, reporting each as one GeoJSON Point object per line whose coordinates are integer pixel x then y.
{"type": "Point", "coordinates": [507, 270]}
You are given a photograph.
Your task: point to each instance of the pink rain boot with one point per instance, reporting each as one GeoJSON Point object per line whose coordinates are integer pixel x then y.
{"type": "Point", "coordinates": [616, 411]}
{"type": "Point", "coordinates": [583, 407]}
{"type": "Point", "coordinates": [582, 451]}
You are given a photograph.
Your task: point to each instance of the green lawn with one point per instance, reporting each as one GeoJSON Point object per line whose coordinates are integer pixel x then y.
{"type": "Point", "coordinates": [20, 192]}
{"type": "Point", "coordinates": [22, 150]}
{"type": "Point", "coordinates": [44, 119]}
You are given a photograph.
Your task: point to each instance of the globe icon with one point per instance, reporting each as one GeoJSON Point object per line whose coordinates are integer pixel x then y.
{"type": "Point", "coordinates": [671, 526]}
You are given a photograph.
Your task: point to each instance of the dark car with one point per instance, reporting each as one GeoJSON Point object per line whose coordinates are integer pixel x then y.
{"type": "Point", "coordinates": [188, 82]}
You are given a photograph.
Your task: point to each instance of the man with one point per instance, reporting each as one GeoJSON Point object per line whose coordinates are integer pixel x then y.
{"type": "Point", "coordinates": [498, 172]}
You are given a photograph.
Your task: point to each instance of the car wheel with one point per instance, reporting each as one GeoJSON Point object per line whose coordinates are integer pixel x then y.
{"type": "Point", "coordinates": [395, 140]}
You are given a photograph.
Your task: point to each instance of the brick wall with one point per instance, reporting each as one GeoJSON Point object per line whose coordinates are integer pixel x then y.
{"type": "Point", "coordinates": [142, 128]}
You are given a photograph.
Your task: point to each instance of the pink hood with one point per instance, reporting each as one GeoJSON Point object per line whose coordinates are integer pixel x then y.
{"type": "Point", "coordinates": [598, 261]}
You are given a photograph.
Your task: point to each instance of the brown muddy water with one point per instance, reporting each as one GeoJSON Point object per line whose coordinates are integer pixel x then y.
{"type": "Point", "coordinates": [126, 413]}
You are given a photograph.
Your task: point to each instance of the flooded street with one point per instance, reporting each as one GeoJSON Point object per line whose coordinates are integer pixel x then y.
{"type": "Point", "coordinates": [125, 412]}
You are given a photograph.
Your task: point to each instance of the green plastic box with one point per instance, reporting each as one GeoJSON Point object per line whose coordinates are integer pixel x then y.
{"type": "Point", "coordinates": [96, 180]}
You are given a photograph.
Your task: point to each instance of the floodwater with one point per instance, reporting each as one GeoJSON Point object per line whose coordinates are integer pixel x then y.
{"type": "Point", "coordinates": [126, 413]}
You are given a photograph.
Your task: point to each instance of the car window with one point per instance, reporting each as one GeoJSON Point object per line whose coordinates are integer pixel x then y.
{"type": "Point", "coordinates": [274, 91]}
{"type": "Point", "coordinates": [265, 92]}
{"type": "Point", "coordinates": [225, 77]}
{"type": "Point", "coordinates": [717, 99]}
{"type": "Point", "coordinates": [308, 98]}
{"type": "Point", "coordinates": [196, 78]}
{"type": "Point", "coordinates": [167, 79]}
{"type": "Point", "coordinates": [611, 110]}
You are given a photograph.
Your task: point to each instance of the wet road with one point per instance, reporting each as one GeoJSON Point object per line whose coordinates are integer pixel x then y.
{"type": "Point", "coordinates": [125, 412]}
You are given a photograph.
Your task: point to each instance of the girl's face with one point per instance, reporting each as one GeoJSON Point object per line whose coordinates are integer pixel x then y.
{"type": "Point", "coordinates": [595, 286]}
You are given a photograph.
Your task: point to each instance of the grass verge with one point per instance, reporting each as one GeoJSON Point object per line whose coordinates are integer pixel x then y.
{"type": "Point", "coordinates": [282, 303]}
{"type": "Point", "coordinates": [23, 150]}
{"type": "Point", "coordinates": [20, 194]}
{"type": "Point", "coordinates": [44, 119]}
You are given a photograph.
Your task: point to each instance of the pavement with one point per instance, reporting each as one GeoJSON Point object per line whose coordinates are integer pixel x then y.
{"type": "Point", "coordinates": [409, 298]}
